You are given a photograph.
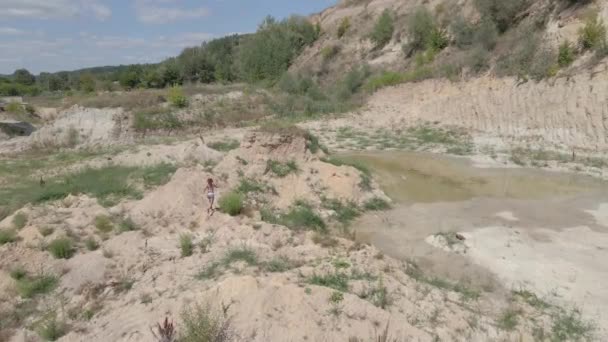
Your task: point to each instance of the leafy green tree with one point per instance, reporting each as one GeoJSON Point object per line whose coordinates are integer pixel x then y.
{"type": "Point", "coordinates": [268, 53]}
{"type": "Point", "coordinates": [24, 77]}
{"type": "Point", "coordinates": [170, 72]}
{"type": "Point", "coordinates": [87, 83]}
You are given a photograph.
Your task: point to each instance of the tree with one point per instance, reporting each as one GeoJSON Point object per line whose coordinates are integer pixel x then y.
{"type": "Point", "coordinates": [56, 83]}
{"type": "Point", "coordinates": [24, 77]}
{"type": "Point", "coordinates": [87, 83]}
{"type": "Point", "coordinates": [268, 53]}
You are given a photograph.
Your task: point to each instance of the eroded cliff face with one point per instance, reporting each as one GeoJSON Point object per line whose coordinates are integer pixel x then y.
{"type": "Point", "coordinates": [563, 112]}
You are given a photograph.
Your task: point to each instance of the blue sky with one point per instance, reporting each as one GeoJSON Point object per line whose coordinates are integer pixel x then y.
{"type": "Point", "coordinates": [54, 35]}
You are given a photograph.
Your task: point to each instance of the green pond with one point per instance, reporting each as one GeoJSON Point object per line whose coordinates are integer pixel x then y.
{"type": "Point", "coordinates": [426, 178]}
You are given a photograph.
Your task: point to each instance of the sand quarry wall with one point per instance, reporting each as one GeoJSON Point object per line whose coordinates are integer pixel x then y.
{"type": "Point", "coordinates": [566, 112]}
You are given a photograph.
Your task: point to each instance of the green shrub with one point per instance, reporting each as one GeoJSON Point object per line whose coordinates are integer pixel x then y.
{"type": "Point", "coordinates": [313, 144]}
{"type": "Point", "coordinates": [565, 56]}
{"type": "Point", "coordinates": [46, 231]}
{"type": "Point", "coordinates": [231, 203]}
{"type": "Point", "coordinates": [385, 79]}
{"type": "Point", "coordinates": [91, 244]}
{"type": "Point", "coordinates": [344, 213]}
{"type": "Point", "coordinates": [383, 29]}
{"type": "Point", "coordinates": [29, 287]}
{"type": "Point", "coordinates": [224, 146]}
{"type": "Point", "coordinates": [508, 319]}
{"type": "Point", "coordinates": [15, 108]}
{"type": "Point", "coordinates": [241, 254]}
{"type": "Point", "coordinates": [329, 52]}
{"type": "Point", "coordinates": [19, 220]}
{"type": "Point", "coordinates": [248, 185]}
{"type": "Point", "coordinates": [281, 169]}
{"type": "Point", "coordinates": [464, 32]}
{"type": "Point", "coordinates": [61, 248]}
{"type": "Point", "coordinates": [51, 328]}
{"type": "Point", "coordinates": [18, 273]}
{"type": "Point", "coordinates": [376, 204]}
{"type": "Point", "coordinates": [336, 281]}
{"type": "Point", "coordinates": [7, 236]}
{"type": "Point", "coordinates": [420, 28]}
{"type": "Point", "coordinates": [201, 324]}
{"type": "Point", "coordinates": [477, 59]}
{"type": "Point", "coordinates": [127, 225]}
{"type": "Point", "coordinates": [103, 223]}
{"type": "Point", "coordinates": [502, 13]}
{"type": "Point", "coordinates": [177, 98]}
{"type": "Point", "coordinates": [343, 27]}
{"type": "Point", "coordinates": [278, 265]}
{"type": "Point", "coordinates": [593, 34]}
{"type": "Point", "coordinates": [186, 245]}
{"type": "Point", "coordinates": [351, 83]}
{"type": "Point", "coordinates": [300, 216]}
{"type": "Point", "coordinates": [568, 325]}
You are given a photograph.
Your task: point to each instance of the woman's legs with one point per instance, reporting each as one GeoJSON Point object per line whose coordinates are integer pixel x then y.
{"type": "Point", "coordinates": [211, 201]}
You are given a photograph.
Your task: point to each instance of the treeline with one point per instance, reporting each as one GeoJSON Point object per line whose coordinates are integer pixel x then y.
{"type": "Point", "coordinates": [262, 56]}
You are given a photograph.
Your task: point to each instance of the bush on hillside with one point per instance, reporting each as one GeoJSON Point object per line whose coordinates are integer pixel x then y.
{"type": "Point", "coordinates": [383, 30]}
{"type": "Point", "coordinates": [177, 98]}
{"type": "Point", "coordinates": [502, 13]}
{"type": "Point", "coordinates": [565, 56]}
{"type": "Point", "coordinates": [329, 52]}
{"type": "Point", "coordinates": [232, 203]}
{"type": "Point", "coordinates": [593, 34]}
{"type": "Point", "coordinates": [344, 26]}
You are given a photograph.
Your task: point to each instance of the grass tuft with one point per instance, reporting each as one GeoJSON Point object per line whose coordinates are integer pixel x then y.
{"type": "Point", "coordinates": [232, 203]}
{"type": "Point", "coordinates": [568, 325]}
{"type": "Point", "coordinates": [61, 248]}
{"type": "Point", "coordinates": [336, 281]}
{"type": "Point", "coordinates": [127, 225]}
{"type": "Point", "coordinates": [281, 169]}
{"type": "Point", "coordinates": [241, 254]}
{"type": "Point", "coordinates": [224, 146]}
{"type": "Point", "coordinates": [186, 245]}
{"type": "Point", "coordinates": [344, 213]}
{"type": "Point", "coordinates": [376, 204]}
{"type": "Point", "coordinates": [51, 328]}
{"type": "Point", "coordinates": [508, 320]}
{"type": "Point", "coordinates": [103, 223]}
{"type": "Point", "coordinates": [91, 244]}
{"type": "Point", "coordinates": [202, 324]}
{"type": "Point", "coordinates": [19, 220]}
{"type": "Point", "coordinates": [278, 265]}
{"type": "Point", "coordinates": [7, 236]}
{"type": "Point", "coordinates": [29, 287]}
{"type": "Point", "coordinates": [300, 216]}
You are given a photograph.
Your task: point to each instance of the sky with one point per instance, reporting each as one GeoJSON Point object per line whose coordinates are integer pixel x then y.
{"type": "Point", "coordinates": [55, 35]}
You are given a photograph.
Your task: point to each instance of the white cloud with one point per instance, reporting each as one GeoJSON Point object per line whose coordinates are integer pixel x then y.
{"type": "Point", "coordinates": [52, 9]}
{"type": "Point", "coordinates": [154, 12]}
{"type": "Point", "coordinates": [10, 31]}
{"type": "Point", "coordinates": [85, 49]}
{"type": "Point", "coordinates": [100, 11]}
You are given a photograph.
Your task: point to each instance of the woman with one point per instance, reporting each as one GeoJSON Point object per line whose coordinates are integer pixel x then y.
{"type": "Point", "coordinates": [210, 189]}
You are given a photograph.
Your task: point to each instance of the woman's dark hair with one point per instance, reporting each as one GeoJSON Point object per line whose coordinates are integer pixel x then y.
{"type": "Point", "coordinates": [209, 180]}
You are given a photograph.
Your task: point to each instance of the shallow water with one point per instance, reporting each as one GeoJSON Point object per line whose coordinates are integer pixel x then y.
{"type": "Point", "coordinates": [427, 178]}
